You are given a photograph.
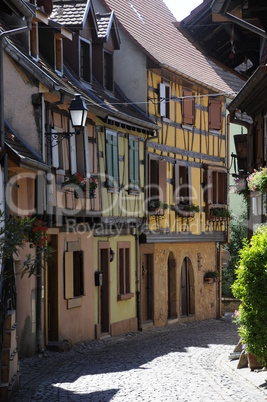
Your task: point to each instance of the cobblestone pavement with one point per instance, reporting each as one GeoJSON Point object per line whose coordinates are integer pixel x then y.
{"type": "Point", "coordinates": [180, 362]}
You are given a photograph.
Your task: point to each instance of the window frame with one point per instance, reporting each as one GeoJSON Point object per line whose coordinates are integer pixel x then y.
{"type": "Point", "coordinates": [74, 274]}
{"type": "Point", "coordinates": [124, 271]}
{"type": "Point", "coordinates": [108, 71]}
{"type": "Point", "coordinates": [58, 54]}
{"type": "Point", "coordinates": [87, 57]}
{"type": "Point", "coordinates": [165, 100]}
{"type": "Point", "coordinates": [180, 170]}
{"type": "Point", "coordinates": [216, 188]}
{"type": "Point", "coordinates": [34, 41]}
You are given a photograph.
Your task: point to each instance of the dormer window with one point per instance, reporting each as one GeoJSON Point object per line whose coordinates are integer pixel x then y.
{"type": "Point", "coordinates": [108, 71]}
{"type": "Point", "coordinates": [58, 54]}
{"type": "Point", "coordinates": [85, 60]}
{"type": "Point", "coordinates": [34, 41]}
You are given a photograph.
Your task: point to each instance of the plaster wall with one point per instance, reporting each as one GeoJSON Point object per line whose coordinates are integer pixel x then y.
{"type": "Point", "coordinates": [19, 110]}
{"type": "Point", "coordinates": [203, 258]}
{"type": "Point", "coordinates": [77, 323]}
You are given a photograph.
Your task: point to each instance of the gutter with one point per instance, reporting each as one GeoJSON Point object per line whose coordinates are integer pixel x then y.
{"type": "Point", "coordinates": [217, 7]}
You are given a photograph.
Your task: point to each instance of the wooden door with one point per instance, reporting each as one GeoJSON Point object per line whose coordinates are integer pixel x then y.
{"type": "Point", "coordinates": [104, 308]}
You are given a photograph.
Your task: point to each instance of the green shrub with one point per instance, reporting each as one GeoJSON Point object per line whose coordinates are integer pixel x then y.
{"type": "Point", "coordinates": [250, 287]}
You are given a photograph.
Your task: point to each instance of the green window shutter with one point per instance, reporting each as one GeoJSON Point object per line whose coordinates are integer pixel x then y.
{"type": "Point", "coordinates": [109, 157]}
{"type": "Point", "coordinates": [69, 275]}
{"type": "Point", "coordinates": [133, 163]}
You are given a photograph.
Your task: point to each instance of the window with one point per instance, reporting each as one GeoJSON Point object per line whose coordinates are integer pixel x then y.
{"type": "Point", "coordinates": [58, 54]}
{"type": "Point", "coordinates": [108, 71]}
{"type": "Point", "coordinates": [85, 60]}
{"type": "Point", "coordinates": [33, 41]}
{"type": "Point", "coordinates": [165, 100]}
{"type": "Point", "coordinates": [183, 190]}
{"type": "Point", "coordinates": [112, 159]}
{"type": "Point", "coordinates": [215, 115]}
{"type": "Point", "coordinates": [157, 180]}
{"type": "Point", "coordinates": [188, 107]}
{"type": "Point", "coordinates": [134, 163]}
{"type": "Point", "coordinates": [124, 271]}
{"type": "Point", "coordinates": [216, 192]}
{"type": "Point", "coordinates": [73, 274]}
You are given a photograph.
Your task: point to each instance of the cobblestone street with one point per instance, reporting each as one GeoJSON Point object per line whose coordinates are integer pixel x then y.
{"type": "Point", "coordinates": [181, 362]}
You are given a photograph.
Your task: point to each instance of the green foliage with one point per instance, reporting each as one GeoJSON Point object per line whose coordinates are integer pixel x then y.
{"type": "Point", "coordinates": [221, 213]}
{"type": "Point", "coordinates": [250, 287]}
{"type": "Point", "coordinates": [237, 234]}
{"type": "Point", "coordinates": [211, 274]}
{"type": "Point", "coordinates": [191, 208]}
{"type": "Point", "coordinates": [16, 233]}
{"type": "Point", "coordinates": [257, 181]}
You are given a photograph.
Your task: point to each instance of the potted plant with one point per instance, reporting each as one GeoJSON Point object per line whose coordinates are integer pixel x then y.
{"type": "Point", "coordinates": [211, 276]}
{"type": "Point", "coordinates": [156, 205]}
{"type": "Point", "coordinates": [92, 187]}
{"type": "Point", "coordinates": [187, 210]}
{"type": "Point", "coordinates": [219, 214]}
{"type": "Point", "coordinates": [257, 181]}
{"type": "Point", "coordinates": [250, 287]}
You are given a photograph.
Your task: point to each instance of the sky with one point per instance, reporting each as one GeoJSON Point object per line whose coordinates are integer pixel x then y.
{"type": "Point", "coordinates": [182, 8]}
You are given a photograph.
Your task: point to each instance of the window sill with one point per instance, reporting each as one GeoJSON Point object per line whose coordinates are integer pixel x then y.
{"type": "Point", "coordinates": [115, 190]}
{"type": "Point", "coordinates": [133, 191]}
{"type": "Point", "coordinates": [73, 303]}
{"type": "Point", "coordinates": [125, 296]}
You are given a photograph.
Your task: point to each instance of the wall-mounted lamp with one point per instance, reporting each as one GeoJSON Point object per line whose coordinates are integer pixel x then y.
{"type": "Point", "coordinates": [78, 114]}
{"type": "Point", "coordinates": [111, 255]}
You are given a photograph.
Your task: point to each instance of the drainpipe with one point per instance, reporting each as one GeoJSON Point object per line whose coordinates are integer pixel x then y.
{"type": "Point", "coordinates": [137, 278]}
{"type": "Point", "coordinates": [10, 275]}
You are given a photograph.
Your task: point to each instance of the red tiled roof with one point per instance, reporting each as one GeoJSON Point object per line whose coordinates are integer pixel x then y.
{"type": "Point", "coordinates": [150, 24]}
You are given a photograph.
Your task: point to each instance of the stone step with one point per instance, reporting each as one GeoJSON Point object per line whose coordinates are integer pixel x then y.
{"type": "Point", "coordinates": [9, 370]}
{"type": "Point", "coordinates": [8, 355]}
{"type": "Point", "coordinates": [8, 389]}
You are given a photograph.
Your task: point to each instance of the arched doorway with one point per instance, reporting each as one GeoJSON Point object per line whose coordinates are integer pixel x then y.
{"type": "Point", "coordinates": [187, 288]}
{"type": "Point", "coordinates": [172, 294]}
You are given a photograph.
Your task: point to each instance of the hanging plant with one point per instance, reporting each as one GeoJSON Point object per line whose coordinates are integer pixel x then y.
{"type": "Point", "coordinates": [257, 181]}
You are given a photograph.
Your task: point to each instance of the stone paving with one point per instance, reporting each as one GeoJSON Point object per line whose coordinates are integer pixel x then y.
{"type": "Point", "coordinates": [180, 362]}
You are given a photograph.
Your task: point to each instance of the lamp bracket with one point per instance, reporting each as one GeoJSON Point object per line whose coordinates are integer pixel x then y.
{"type": "Point", "coordinates": [56, 138]}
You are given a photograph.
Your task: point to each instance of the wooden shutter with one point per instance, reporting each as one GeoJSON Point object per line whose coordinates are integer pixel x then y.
{"type": "Point", "coordinates": [115, 161]}
{"type": "Point", "coordinates": [177, 181]}
{"type": "Point", "coordinates": [209, 189]}
{"type": "Point", "coordinates": [162, 180]}
{"type": "Point", "coordinates": [222, 188]}
{"type": "Point", "coordinates": [215, 115]}
{"type": "Point", "coordinates": [68, 275]}
{"type": "Point", "coordinates": [153, 182]}
{"type": "Point", "coordinates": [162, 100]}
{"type": "Point", "coordinates": [78, 273]}
{"type": "Point", "coordinates": [188, 107]}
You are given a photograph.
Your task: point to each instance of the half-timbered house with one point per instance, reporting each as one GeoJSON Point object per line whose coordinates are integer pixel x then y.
{"type": "Point", "coordinates": [185, 165]}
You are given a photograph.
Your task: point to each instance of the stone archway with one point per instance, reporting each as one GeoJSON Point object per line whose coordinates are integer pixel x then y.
{"type": "Point", "coordinates": [172, 287]}
{"type": "Point", "coordinates": [187, 288]}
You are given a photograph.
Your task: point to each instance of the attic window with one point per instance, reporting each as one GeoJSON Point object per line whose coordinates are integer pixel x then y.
{"type": "Point", "coordinates": [108, 71]}
{"type": "Point", "coordinates": [58, 54]}
{"type": "Point", "coordinates": [85, 60]}
{"type": "Point", "coordinates": [33, 41]}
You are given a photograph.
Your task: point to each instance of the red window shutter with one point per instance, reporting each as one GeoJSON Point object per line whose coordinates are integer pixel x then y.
{"type": "Point", "coordinates": [215, 115]}
{"type": "Point", "coordinates": [188, 108]}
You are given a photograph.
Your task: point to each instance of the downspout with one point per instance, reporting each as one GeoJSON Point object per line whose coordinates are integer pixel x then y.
{"type": "Point", "coordinates": [137, 271]}
{"type": "Point", "coordinates": [4, 296]}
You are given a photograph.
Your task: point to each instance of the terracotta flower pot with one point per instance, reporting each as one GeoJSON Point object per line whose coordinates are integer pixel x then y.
{"type": "Point", "coordinates": [253, 363]}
